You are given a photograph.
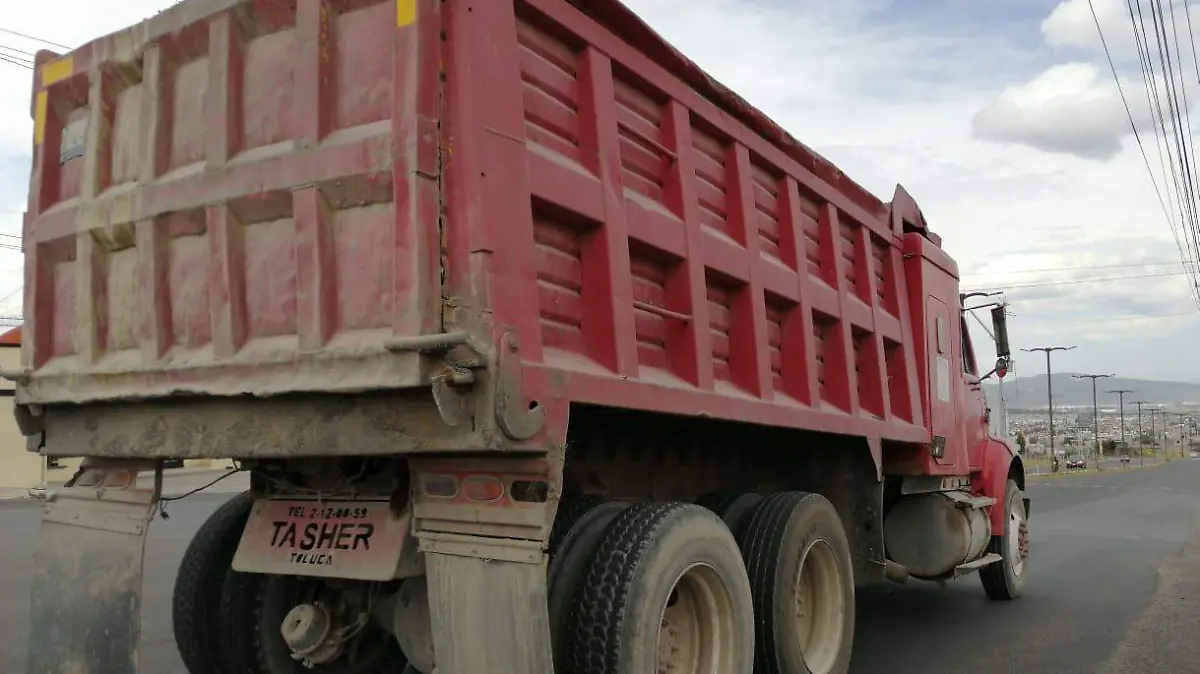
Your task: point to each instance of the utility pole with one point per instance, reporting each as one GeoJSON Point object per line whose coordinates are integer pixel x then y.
{"type": "Point", "coordinates": [1187, 426]}
{"type": "Point", "coordinates": [1154, 431]}
{"type": "Point", "coordinates": [1182, 425]}
{"type": "Point", "coordinates": [1121, 393]}
{"type": "Point", "coordinates": [1141, 445]}
{"type": "Point", "coordinates": [1050, 387]}
{"type": "Point", "coordinates": [1095, 413]}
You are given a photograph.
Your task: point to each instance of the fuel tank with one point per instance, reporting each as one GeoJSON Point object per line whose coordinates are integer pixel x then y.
{"type": "Point", "coordinates": [930, 534]}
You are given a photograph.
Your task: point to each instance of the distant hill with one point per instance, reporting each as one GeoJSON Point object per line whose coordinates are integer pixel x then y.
{"type": "Point", "coordinates": [1030, 392]}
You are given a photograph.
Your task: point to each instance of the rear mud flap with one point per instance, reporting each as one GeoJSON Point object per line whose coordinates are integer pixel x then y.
{"type": "Point", "coordinates": [465, 591]}
{"type": "Point", "coordinates": [85, 613]}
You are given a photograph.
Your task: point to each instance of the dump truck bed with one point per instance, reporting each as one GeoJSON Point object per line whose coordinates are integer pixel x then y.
{"type": "Point", "coordinates": [266, 197]}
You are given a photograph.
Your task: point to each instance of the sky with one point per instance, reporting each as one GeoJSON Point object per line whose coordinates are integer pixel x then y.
{"type": "Point", "coordinates": [1002, 119]}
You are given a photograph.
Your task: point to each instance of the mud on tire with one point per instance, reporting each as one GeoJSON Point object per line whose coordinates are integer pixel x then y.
{"type": "Point", "coordinates": [802, 579]}
{"type": "Point", "coordinates": [195, 602]}
{"type": "Point", "coordinates": [659, 563]}
{"type": "Point", "coordinates": [733, 507]}
{"type": "Point", "coordinates": [566, 574]}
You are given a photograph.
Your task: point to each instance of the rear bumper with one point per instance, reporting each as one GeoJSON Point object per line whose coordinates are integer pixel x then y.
{"type": "Point", "coordinates": [265, 368]}
{"type": "Point", "coordinates": [382, 423]}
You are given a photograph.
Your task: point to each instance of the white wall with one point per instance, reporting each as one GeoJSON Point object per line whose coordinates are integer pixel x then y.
{"type": "Point", "coordinates": [19, 469]}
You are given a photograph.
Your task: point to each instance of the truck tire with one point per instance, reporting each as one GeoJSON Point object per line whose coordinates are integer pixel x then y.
{"type": "Point", "coordinates": [239, 620]}
{"type": "Point", "coordinates": [570, 509]}
{"type": "Point", "coordinates": [731, 506]}
{"type": "Point", "coordinates": [566, 574]}
{"type": "Point", "coordinates": [195, 601]}
{"type": "Point", "coordinates": [665, 591]}
{"type": "Point", "coordinates": [802, 580]}
{"type": "Point", "coordinates": [1004, 580]}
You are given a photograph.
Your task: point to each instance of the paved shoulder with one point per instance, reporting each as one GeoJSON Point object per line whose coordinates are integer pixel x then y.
{"type": "Point", "coordinates": [1165, 638]}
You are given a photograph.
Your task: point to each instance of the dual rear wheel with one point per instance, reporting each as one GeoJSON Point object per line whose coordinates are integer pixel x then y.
{"type": "Point", "coordinates": [744, 583]}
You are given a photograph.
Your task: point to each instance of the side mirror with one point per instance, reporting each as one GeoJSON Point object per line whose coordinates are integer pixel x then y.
{"type": "Point", "coordinates": [1001, 367]}
{"type": "Point", "coordinates": [1000, 330]}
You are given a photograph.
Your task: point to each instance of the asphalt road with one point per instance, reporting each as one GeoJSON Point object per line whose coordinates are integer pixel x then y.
{"type": "Point", "coordinates": [1114, 588]}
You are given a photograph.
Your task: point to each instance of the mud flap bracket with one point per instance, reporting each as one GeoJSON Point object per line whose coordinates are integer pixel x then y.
{"type": "Point", "coordinates": [518, 419]}
{"type": "Point", "coordinates": [85, 610]}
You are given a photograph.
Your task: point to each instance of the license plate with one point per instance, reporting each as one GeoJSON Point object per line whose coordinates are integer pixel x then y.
{"type": "Point", "coordinates": [330, 539]}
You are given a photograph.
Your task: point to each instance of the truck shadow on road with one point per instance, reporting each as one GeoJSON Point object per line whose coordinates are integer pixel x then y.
{"type": "Point", "coordinates": [899, 625]}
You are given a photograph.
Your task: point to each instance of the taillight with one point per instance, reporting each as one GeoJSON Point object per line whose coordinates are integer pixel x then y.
{"type": "Point", "coordinates": [483, 488]}
{"type": "Point", "coordinates": [440, 486]}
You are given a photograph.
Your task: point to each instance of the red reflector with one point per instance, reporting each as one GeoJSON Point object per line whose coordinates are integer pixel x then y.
{"type": "Point", "coordinates": [483, 488]}
{"type": "Point", "coordinates": [440, 487]}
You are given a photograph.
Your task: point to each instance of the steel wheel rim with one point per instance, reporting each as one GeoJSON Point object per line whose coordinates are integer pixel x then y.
{"type": "Point", "coordinates": [820, 609]}
{"type": "Point", "coordinates": [697, 625]}
{"type": "Point", "coordinates": [1013, 538]}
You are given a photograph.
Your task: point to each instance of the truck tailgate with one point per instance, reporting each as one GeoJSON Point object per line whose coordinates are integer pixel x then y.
{"type": "Point", "coordinates": [234, 197]}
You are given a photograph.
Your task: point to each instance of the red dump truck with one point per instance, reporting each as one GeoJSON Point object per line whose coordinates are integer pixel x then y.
{"type": "Point", "coordinates": [545, 352]}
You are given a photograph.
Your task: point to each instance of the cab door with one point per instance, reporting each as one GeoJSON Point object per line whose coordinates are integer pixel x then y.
{"type": "Point", "coordinates": [939, 344]}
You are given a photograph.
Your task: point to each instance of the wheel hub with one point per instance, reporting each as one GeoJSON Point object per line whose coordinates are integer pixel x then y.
{"type": "Point", "coordinates": [693, 633]}
{"type": "Point", "coordinates": [308, 631]}
{"type": "Point", "coordinates": [1018, 539]}
{"type": "Point", "coordinates": [820, 606]}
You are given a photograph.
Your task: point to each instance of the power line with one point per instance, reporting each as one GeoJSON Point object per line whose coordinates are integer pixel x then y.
{"type": "Point", "coordinates": [1187, 156]}
{"type": "Point", "coordinates": [1163, 143]}
{"type": "Point", "coordinates": [11, 294]}
{"type": "Point", "coordinates": [1106, 319]}
{"type": "Point", "coordinates": [12, 61]}
{"type": "Point", "coordinates": [1137, 135]}
{"type": "Point", "coordinates": [1196, 68]}
{"type": "Point", "coordinates": [1133, 125]}
{"type": "Point", "coordinates": [1085, 267]}
{"type": "Point", "coordinates": [1105, 279]}
{"type": "Point", "coordinates": [35, 39]}
{"type": "Point", "coordinates": [1154, 101]}
{"type": "Point", "coordinates": [18, 53]}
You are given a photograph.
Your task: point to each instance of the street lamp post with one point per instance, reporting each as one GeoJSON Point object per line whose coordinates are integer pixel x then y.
{"type": "Point", "coordinates": [1095, 413]}
{"type": "Point", "coordinates": [1154, 431]}
{"type": "Point", "coordinates": [1141, 443]}
{"type": "Point", "coordinates": [1121, 393]}
{"type": "Point", "coordinates": [1050, 387]}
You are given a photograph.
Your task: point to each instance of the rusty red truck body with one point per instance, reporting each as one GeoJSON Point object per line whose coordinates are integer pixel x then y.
{"type": "Point", "coordinates": [545, 351]}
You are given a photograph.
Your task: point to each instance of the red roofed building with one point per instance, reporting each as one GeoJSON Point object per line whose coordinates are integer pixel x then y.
{"type": "Point", "coordinates": [11, 337]}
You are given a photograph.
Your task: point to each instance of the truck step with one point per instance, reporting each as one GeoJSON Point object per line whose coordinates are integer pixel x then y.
{"type": "Point", "coordinates": [966, 500]}
{"type": "Point", "coordinates": [986, 560]}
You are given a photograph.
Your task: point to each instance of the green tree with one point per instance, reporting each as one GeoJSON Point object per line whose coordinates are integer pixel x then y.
{"type": "Point", "coordinates": [1021, 442]}
{"type": "Point", "coordinates": [1109, 446]}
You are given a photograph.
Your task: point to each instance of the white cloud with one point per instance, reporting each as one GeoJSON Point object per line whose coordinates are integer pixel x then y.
{"type": "Point", "coordinates": [1072, 108]}
{"type": "Point", "coordinates": [1071, 24]}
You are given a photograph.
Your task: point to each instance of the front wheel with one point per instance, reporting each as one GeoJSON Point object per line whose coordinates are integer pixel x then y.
{"type": "Point", "coordinates": [1005, 579]}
